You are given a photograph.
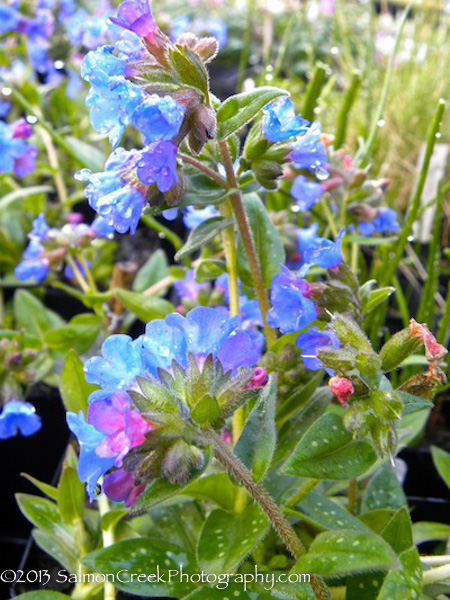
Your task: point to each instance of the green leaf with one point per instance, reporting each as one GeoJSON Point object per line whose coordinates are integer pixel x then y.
{"type": "Point", "coordinates": [337, 553]}
{"type": "Point", "coordinates": [377, 519]}
{"type": "Point", "coordinates": [77, 335]}
{"type": "Point", "coordinates": [256, 444]}
{"type": "Point", "coordinates": [162, 490]}
{"type": "Point", "coordinates": [155, 269]}
{"type": "Point", "coordinates": [210, 269]}
{"type": "Point", "coordinates": [206, 411]}
{"type": "Point", "coordinates": [441, 460]}
{"type": "Point", "coordinates": [112, 517]}
{"type": "Point", "coordinates": [42, 595]}
{"type": "Point", "coordinates": [24, 192]}
{"type": "Point", "coordinates": [328, 451]}
{"type": "Point", "coordinates": [226, 539]}
{"type": "Point", "coordinates": [189, 68]}
{"type": "Point", "coordinates": [32, 316]}
{"type": "Point", "coordinates": [323, 513]}
{"type": "Point", "coordinates": [180, 523]}
{"type": "Point", "coordinates": [88, 155]}
{"type": "Point", "coordinates": [144, 307]}
{"type": "Point", "coordinates": [383, 491]}
{"type": "Point", "coordinates": [232, 590]}
{"type": "Point", "coordinates": [427, 531]}
{"type": "Point", "coordinates": [296, 426]}
{"type": "Point", "coordinates": [74, 388]}
{"type": "Point", "coordinates": [70, 496]}
{"type": "Point", "coordinates": [412, 403]}
{"type": "Point", "coordinates": [145, 555]}
{"type": "Point", "coordinates": [215, 487]}
{"type": "Point", "coordinates": [47, 489]}
{"type": "Point", "coordinates": [269, 246]}
{"type": "Point", "coordinates": [203, 234]}
{"type": "Point", "coordinates": [405, 584]}
{"type": "Point", "coordinates": [375, 298]}
{"type": "Point", "coordinates": [44, 514]}
{"type": "Point", "coordinates": [398, 532]}
{"type": "Point", "coordinates": [54, 546]}
{"type": "Point", "coordinates": [238, 110]}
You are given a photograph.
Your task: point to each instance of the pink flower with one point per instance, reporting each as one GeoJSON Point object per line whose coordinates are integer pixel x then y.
{"type": "Point", "coordinates": [433, 351]}
{"type": "Point", "coordinates": [123, 427]}
{"type": "Point", "coordinates": [260, 378]}
{"type": "Point", "coordinates": [341, 387]}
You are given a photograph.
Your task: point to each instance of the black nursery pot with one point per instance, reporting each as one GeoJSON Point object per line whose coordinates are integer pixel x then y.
{"type": "Point", "coordinates": [38, 455]}
{"type": "Point", "coordinates": [427, 494]}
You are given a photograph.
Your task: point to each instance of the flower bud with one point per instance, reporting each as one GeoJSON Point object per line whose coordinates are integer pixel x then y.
{"type": "Point", "coordinates": [424, 384]}
{"type": "Point", "coordinates": [341, 387]}
{"type": "Point", "coordinates": [358, 178]}
{"type": "Point", "coordinates": [433, 351]}
{"type": "Point", "coordinates": [350, 333]}
{"type": "Point", "coordinates": [189, 40]}
{"type": "Point", "coordinates": [22, 129]}
{"type": "Point", "coordinates": [207, 49]}
{"type": "Point", "coordinates": [363, 212]}
{"type": "Point", "coordinates": [397, 348]}
{"type": "Point", "coordinates": [260, 378]}
{"type": "Point", "coordinates": [176, 465]}
{"type": "Point", "coordinates": [337, 358]}
{"type": "Point", "coordinates": [267, 172]}
{"type": "Point", "coordinates": [203, 127]}
{"type": "Point", "coordinates": [333, 184]}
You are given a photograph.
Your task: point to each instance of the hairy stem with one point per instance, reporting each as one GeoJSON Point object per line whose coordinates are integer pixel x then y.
{"type": "Point", "coordinates": [247, 240]}
{"type": "Point", "coordinates": [266, 502]}
{"type": "Point", "coordinates": [204, 169]}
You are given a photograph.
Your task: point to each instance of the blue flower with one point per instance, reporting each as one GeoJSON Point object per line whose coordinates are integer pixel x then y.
{"type": "Point", "coordinates": [158, 118]}
{"type": "Point", "coordinates": [292, 309]}
{"type": "Point", "coordinates": [8, 19]}
{"type": "Point", "coordinates": [306, 193]}
{"type": "Point", "coordinates": [40, 228]}
{"type": "Point", "coordinates": [309, 152]}
{"type": "Point", "coordinates": [202, 332]}
{"type": "Point", "coordinates": [119, 203]}
{"type": "Point", "coordinates": [194, 216]}
{"type": "Point", "coordinates": [325, 253]}
{"type": "Point", "coordinates": [18, 417]}
{"type": "Point", "coordinates": [130, 47]}
{"type": "Point", "coordinates": [101, 228]}
{"type": "Point", "coordinates": [384, 222]}
{"type": "Point", "coordinates": [306, 237]}
{"type": "Point", "coordinates": [33, 264]}
{"type": "Point", "coordinates": [313, 340]}
{"type": "Point", "coordinates": [136, 16]}
{"type": "Point", "coordinates": [170, 214]}
{"type": "Point", "coordinates": [158, 165]}
{"type": "Point", "coordinates": [279, 122]}
{"type": "Point", "coordinates": [189, 287]}
{"type": "Point", "coordinates": [91, 466]}
{"type": "Point", "coordinates": [112, 98]}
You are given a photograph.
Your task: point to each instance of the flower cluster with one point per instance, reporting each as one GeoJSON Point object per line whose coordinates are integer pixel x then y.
{"type": "Point", "coordinates": [156, 391]}
{"type": "Point", "coordinates": [120, 95]}
{"type": "Point", "coordinates": [49, 247]}
{"type": "Point", "coordinates": [18, 157]}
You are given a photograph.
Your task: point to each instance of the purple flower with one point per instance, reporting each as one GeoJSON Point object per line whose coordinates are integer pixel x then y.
{"type": "Point", "coordinates": [22, 129]}
{"type": "Point", "coordinates": [313, 340]}
{"type": "Point", "coordinates": [18, 417]}
{"type": "Point", "coordinates": [306, 193]}
{"type": "Point", "coordinates": [119, 487]}
{"type": "Point", "coordinates": [158, 118]}
{"type": "Point", "coordinates": [292, 309]}
{"type": "Point", "coordinates": [16, 154]}
{"type": "Point", "coordinates": [136, 16]}
{"type": "Point", "coordinates": [279, 122]}
{"type": "Point", "coordinates": [26, 162]}
{"type": "Point", "coordinates": [325, 253]}
{"type": "Point", "coordinates": [189, 287]}
{"type": "Point", "coordinates": [309, 152]}
{"type": "Point", "coordinates": [158, 165]}
{"type": "Point", "coordinates": [194, 216]}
